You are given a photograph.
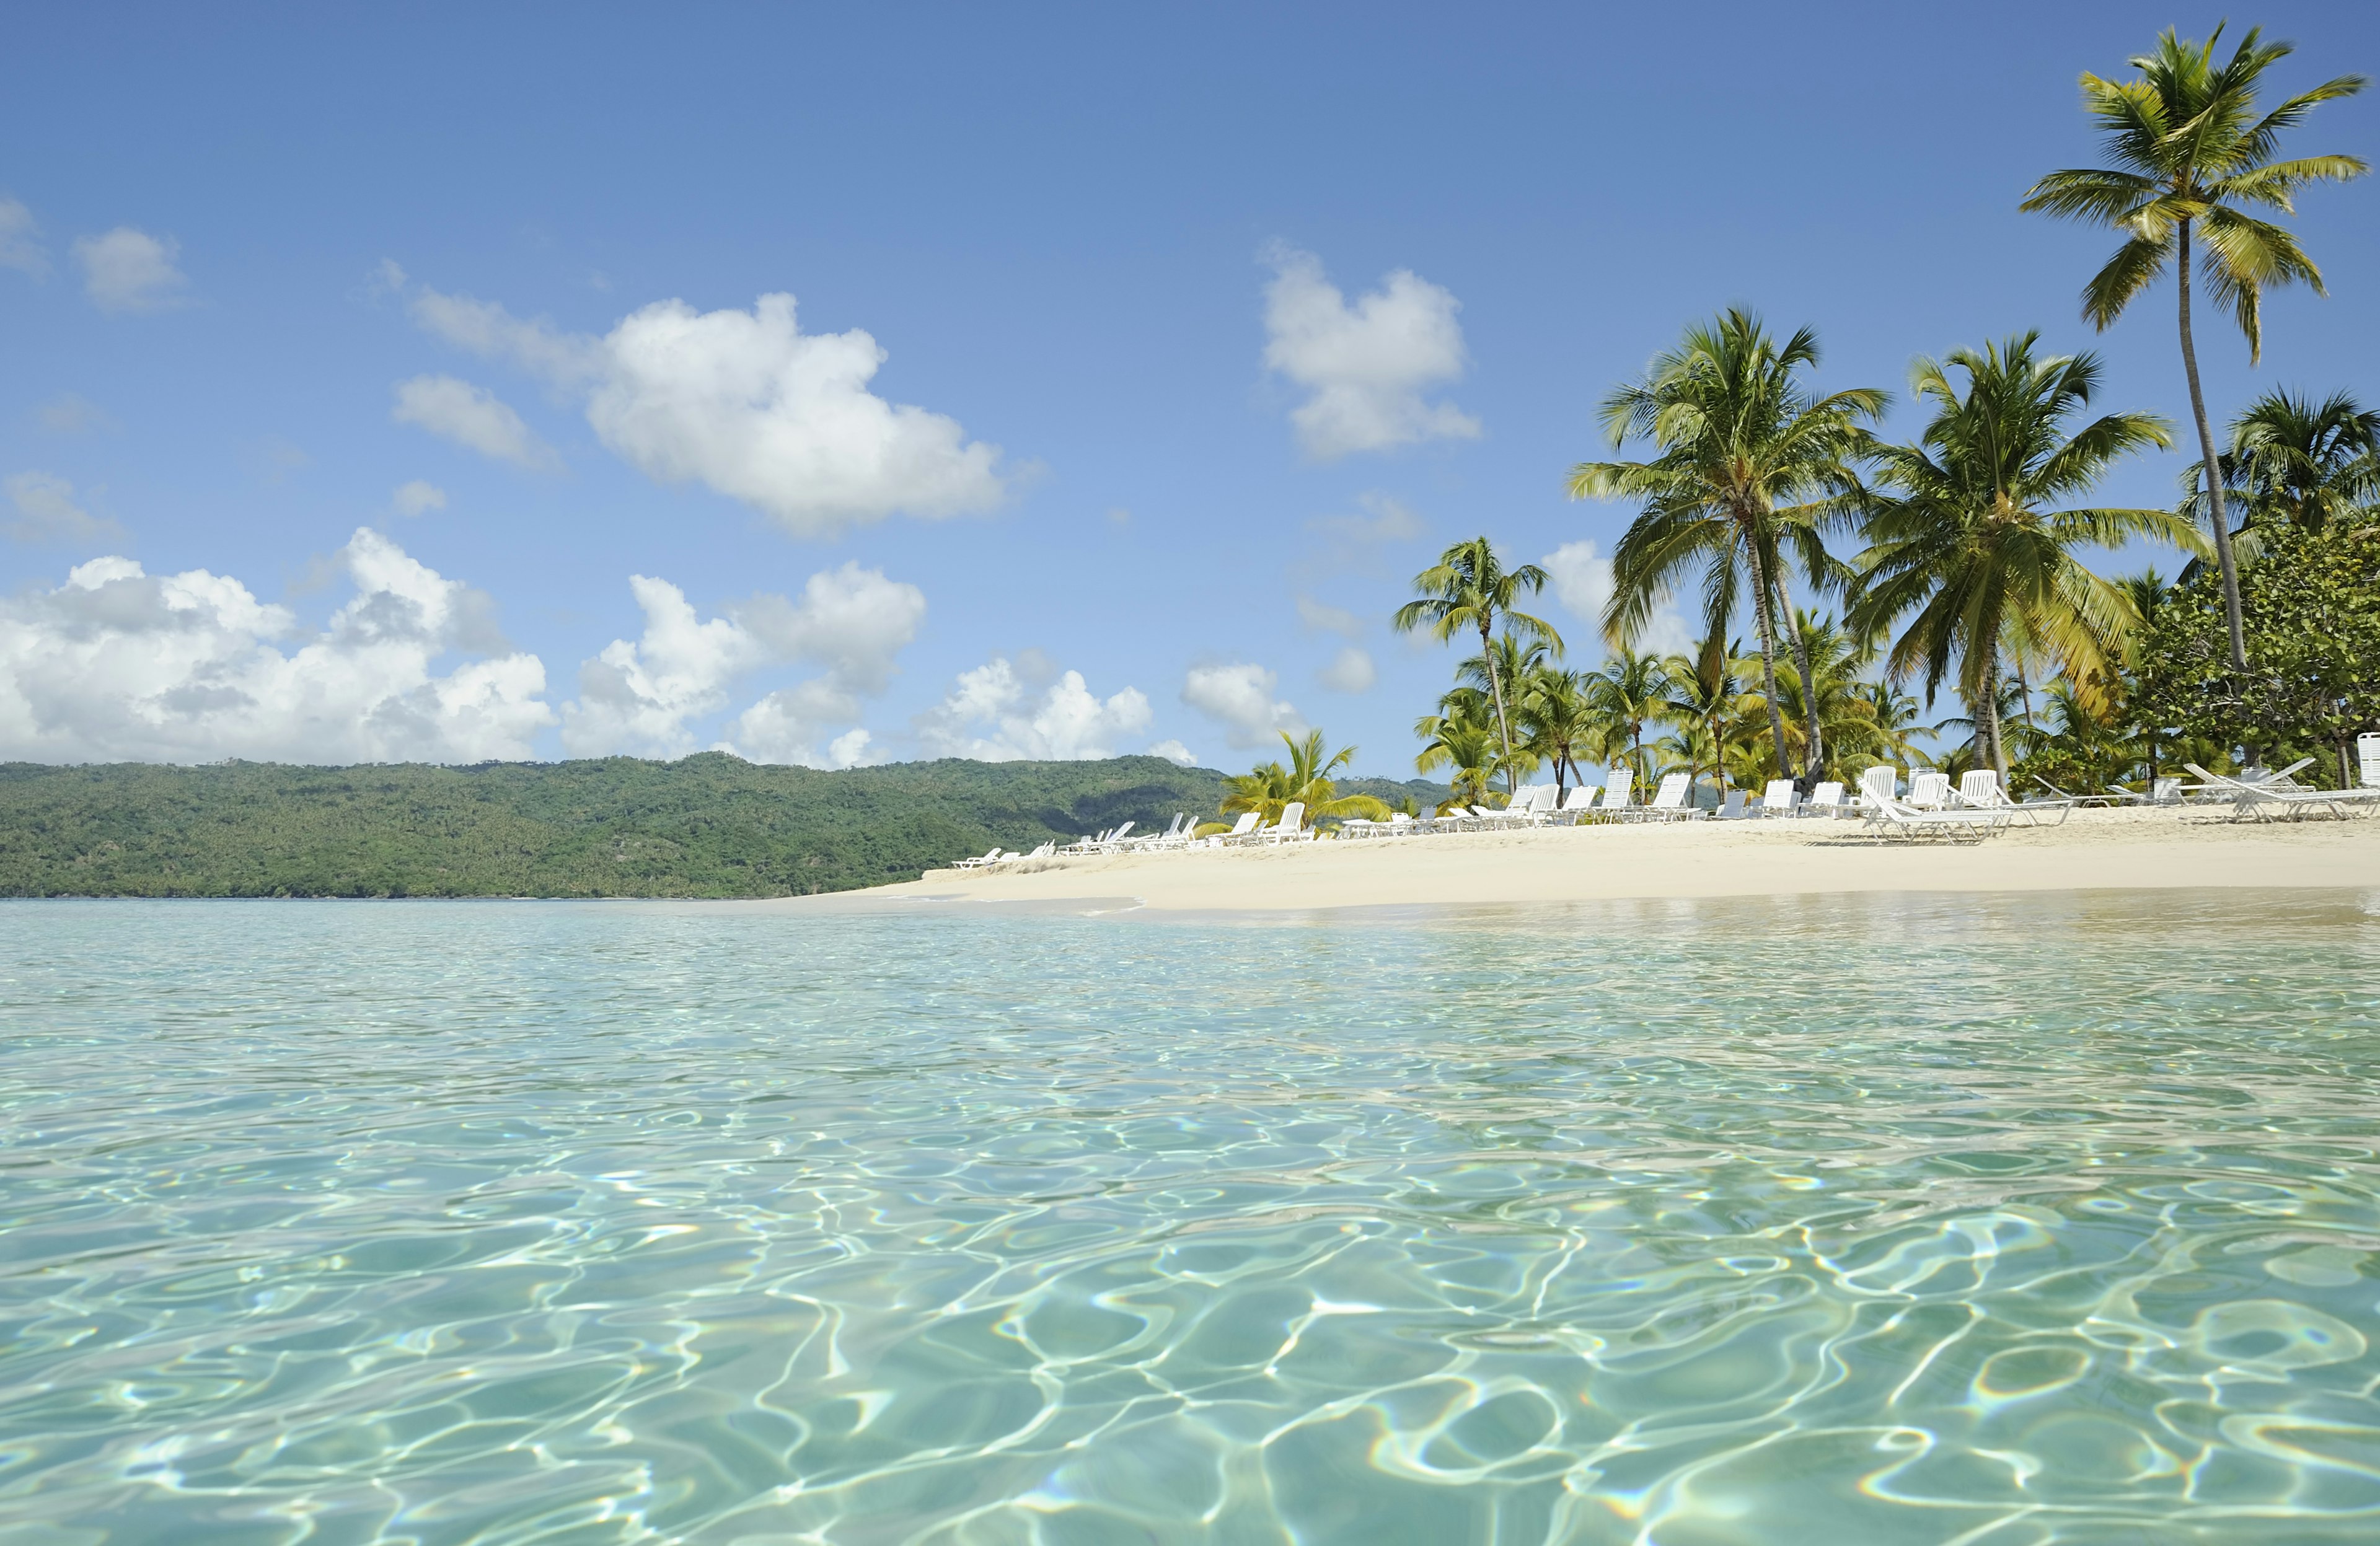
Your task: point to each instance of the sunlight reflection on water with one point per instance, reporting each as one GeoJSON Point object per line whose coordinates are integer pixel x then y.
{"type": "Point", "coordinates": [1995, 1220]}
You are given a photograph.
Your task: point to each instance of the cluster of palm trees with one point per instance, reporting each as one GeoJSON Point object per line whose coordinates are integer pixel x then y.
{"type": "Point", "coordinates": [1966, 573]}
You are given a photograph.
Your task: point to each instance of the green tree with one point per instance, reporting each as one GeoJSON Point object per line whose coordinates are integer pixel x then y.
{"type": "Point", "coordinates": [1960, 535]}
{"type": "Point", "coordinates": [1269, 787]}
{"type": "Point", "coordinates": [2313, 615]}
{"type": "Point", "coordinates": [2190, 152]}
{"type": "Point", "coordinates": [1463, 743]}
{"type": "Point", "coordinates": [1629, 691]}
{"type": "Point", "coordinates": [1749, 467]}
{"type": "Point", "coordinates": [1558, 722]}
{"type": "Point", "coordinates": [1470, 587]}
{"type": "Point", "coordinates": [2292, 461]}
{"type": "Point", "coordinates": [1704, 690]}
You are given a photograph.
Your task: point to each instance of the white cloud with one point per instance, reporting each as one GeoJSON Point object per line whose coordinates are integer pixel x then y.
{"type": "Point", "coordinates": [21, 243]}
{"type": "Point", "coordinates": [1350, 671]}
{"type": "Point", "coordinates": [73, 413]}
{"type": "Point", "coordinates": [120, 665]}
{"type": "Point", "coordinates": [417, 496]}
{"type": "Point", "coordinates": [473, 416]}
{"type": "Point", "coordinates": [1240, 698]}
{"type": "Point", "coordinates": [1360, 543]}
{"type": "Point", "coordinates": [1582, 581]}
{"type": "Point", "coordinates": [637, 697]}
{"type": "Point", "coordinates": [1174, 752]}
{"type": "Point", "coordinates": [46, 512]}
{"type": "Point", "coordinates": [1326, 619]}
{"type": "Point", "coordinates": [1365, 367]}
{"type": "Point", "coordinates": [989, 715]}
{"type": "Point", "coordinates": [747, 403]}
{"type": "Point", "coordinates": [130, 271]}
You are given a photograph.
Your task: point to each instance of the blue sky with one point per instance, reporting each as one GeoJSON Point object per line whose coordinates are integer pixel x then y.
{"type": "Point", "coordinates": [267, 268]}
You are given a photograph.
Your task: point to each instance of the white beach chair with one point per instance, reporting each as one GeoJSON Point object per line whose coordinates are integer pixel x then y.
{"type": "Point", "coordinates": [2278, 796]}
{"type": "Point", "coordinates": [2367, 760]}
{"type": "Point", "coordinates": [1878, 785]}
{"type": "Point", "coordinates": [1577, 803]}
{"type": "Point", "coordinates": [1827, 800]}
{"type": "Point", "coordinates": [1670, 801]}
{"type": "Point", "coordinates": [1779, 798]}
{"type": "Point", "coordinates": [1730, 805]}
{"type": "Point", "coordinates": [1979, 789]}
{"type": "Point", "coordinates": [1929, 791]}
{"type": "Point", "coordinates": [1291, 828]}
{"type": "Point", "coordinates": [978, 864]}
{"type": "Point", "coordinates": [1241, 831]}
{"type": "Point", "coordinates": [1896, 819]}
{"type": "Point", "coordinates": [1615, 792]}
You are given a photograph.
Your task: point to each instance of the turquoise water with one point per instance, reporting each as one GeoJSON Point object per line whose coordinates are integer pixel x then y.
{"type": "Point", "coordinates": [1986, 1220]}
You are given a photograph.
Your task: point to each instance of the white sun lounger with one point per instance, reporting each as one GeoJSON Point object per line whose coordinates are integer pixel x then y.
{"type": "Point", "coordinates": [2280, 797]}
{"type": "Point", "coordinates": [1779, 798]}
{"type": "Point", "coordinates": [977, 864]}
{"type": "Point", "coordinates": [1827, 800]}
{"type": "Point", "coordinates": [1670, 801]}
{"type": "Point", "coordinates": [1615, 792]}
{"type": "Point", "coordinates": [1896, 819]}
{"type": "Point", "coordinates": [1929, 791]}
{"type": "Point", "coordinates": [1241, 831]}
{"type": "Point", "coordinates": [1979, 789]}
{"type": "Point", "coordinates": [1576, 803]}
{"type": "Point", "coordinates": [1730, 805]}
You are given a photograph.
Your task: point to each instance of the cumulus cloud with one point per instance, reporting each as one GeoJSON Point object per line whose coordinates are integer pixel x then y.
{"type": "Point", "coordinates": [1351, 670]}
{"type": "Point", "coordinates": [473, 416]}
{"type": "Point", "coordinates": [46, 512]}
{"type": "Point", "coordinates": [636, 696]}
{"type": "Point", "coordinates": [418, 498]}
{"type": "Point", "coordinates": [1240, 698]}
{"type": "Point", "coordinates": [119, 665]}
{"type": "Point", "coordinates": [991, 716]}
{"type": "Point", "coordinates": [130, 271]}
{"type": "Point", "coordinates": [1366, 366]}
{"type": "Point", "coordinates": [747, 405]}
{"type": "Point", "coordinates": [1326, 619]}
{"type": "Point", "coordinates": [1174, 752]}
{"type": "Point", "coordinates": [1582, 582]}
{"type": "Point", "coordinates": [20, 240]}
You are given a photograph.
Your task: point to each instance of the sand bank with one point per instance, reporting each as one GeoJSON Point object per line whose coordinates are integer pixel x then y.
{"type": "Point", "coordinates": [2194, 849]}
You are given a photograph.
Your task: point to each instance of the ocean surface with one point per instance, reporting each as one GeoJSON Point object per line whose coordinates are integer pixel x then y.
{"type": "Point", "coordinates": [1977, 1220]}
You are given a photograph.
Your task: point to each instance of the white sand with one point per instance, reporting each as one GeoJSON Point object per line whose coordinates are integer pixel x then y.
{"type": "Point", "coordinates": [2192, 849]}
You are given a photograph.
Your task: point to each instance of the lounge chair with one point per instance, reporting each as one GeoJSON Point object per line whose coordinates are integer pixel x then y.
{"type": "Point", "coordinates": [1897, 819]}
{"type": "Point", "coordinates": [1929, 791]}
{"type": "Point", "coordinates": [978, 864]}
{"type": "Point", "coordinates": [1878, 785]}
{"type": "Point", "coordinates": [2277, 796]}
{"type": "Point", "coordinates": [1730, 805]}
{"type": "Point", "coordinates": [1576, 803]}
{"type": "Point", "coordinates": [2367, 760]}
{"type": "Point", "coordinates": [1670, 801]}
{"type": "Point", "coordinates": [1615, 793]}
{"type": "Point", "coordinates": [1827, 800]}
{"type": "Point", "coordinates": [1241, 831]}
{"type": "Point", "coordinates": [1290, 828]}
{"type": "Point", "coordinates": [1777, 799]}
{"type": "Point", "coordinates": [2161, 791]}
{"type": "Point", "coordinates": [1979, 789]}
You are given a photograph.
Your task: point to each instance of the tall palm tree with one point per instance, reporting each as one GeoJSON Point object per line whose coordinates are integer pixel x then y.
{"type": "Point", "coordinates": [1749, 467]}
{"type": "Point", "coordinates": [2294, 462]}
{"type": "Point", "coordinates": [1464, 742]}
{"type": "Point", "coordinates": [1961, 535]}
{"type": "Point", "coordinates": [2190, 152]}
{"type": "Point", "coordinates": [1626, 693]}
{"type": "Point", "coordinates": [1470, 587]}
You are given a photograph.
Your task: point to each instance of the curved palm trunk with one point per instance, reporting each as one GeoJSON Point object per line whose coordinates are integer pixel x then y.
{"type": "Point", "coordinates": [1768, 652]}
{"type": "Point", "coordinates": [1504, 730]}
{"type": "Point", "coordinates": [1992, 716]}
{"type": "Point", "coordinates": [2212, 472]}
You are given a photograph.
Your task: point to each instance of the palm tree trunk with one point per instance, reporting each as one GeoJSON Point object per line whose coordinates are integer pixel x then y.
{"type": "Point", "coordinates": [1504, 730]}
{"type": "Point", "coordinates": [1992, 715]}
{"type": "Point", "coordinates": [2212, 473]}
{"type": "Point", "coordinates": [1768, 652]}
{"type": "Point", "coordinates": [1818, 745]}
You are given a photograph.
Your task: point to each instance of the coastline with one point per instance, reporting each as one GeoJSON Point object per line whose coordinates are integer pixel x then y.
{"type": "Point", "coordinates": [2195, 849]}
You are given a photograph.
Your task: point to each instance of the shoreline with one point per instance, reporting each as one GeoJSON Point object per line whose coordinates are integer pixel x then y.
{"type": "Point", "coordinates": [2194, 849]}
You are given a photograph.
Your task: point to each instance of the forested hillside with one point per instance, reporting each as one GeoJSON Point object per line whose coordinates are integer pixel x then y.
{"type": "Point", "coordinates": [707, 825]}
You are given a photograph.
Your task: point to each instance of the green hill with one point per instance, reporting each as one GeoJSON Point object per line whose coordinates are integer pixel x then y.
{"type": "Point", "coordinates": [707, 825]}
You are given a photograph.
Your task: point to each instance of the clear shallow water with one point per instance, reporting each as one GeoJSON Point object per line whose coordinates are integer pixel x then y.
{"type": "Point", "coordinates": [1948, 1220]}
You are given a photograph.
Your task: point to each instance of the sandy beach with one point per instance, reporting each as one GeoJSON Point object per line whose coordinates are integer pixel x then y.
{"type": "Point", "coordinates": [2193, 848]}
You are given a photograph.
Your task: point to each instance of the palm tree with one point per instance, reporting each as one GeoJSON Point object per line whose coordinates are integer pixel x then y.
{"type": "Point", "coordinates": [1704, 690]}
{"type": "Point", "coordinates": [1470, 587]}
{"type": "Point", "coordinates": [1630, 691]}
{"type": "Point", "coordinates": [1748, 467]}
{"type": "Point", "coordinates": [1830, 694]}
{"type": "Point", "coordinates": [1558, 720]}
{"type": "Point", "coordinates": [1269, 788]}
{"type": "Point", "coordinates": [2294, 461]}
{"type": "Point", "coordinates": [1964, 542]}
{"type": "Point", "coordinates": [1465, 743]}
{"type": "Point", "coordinates": [2190, 152]}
